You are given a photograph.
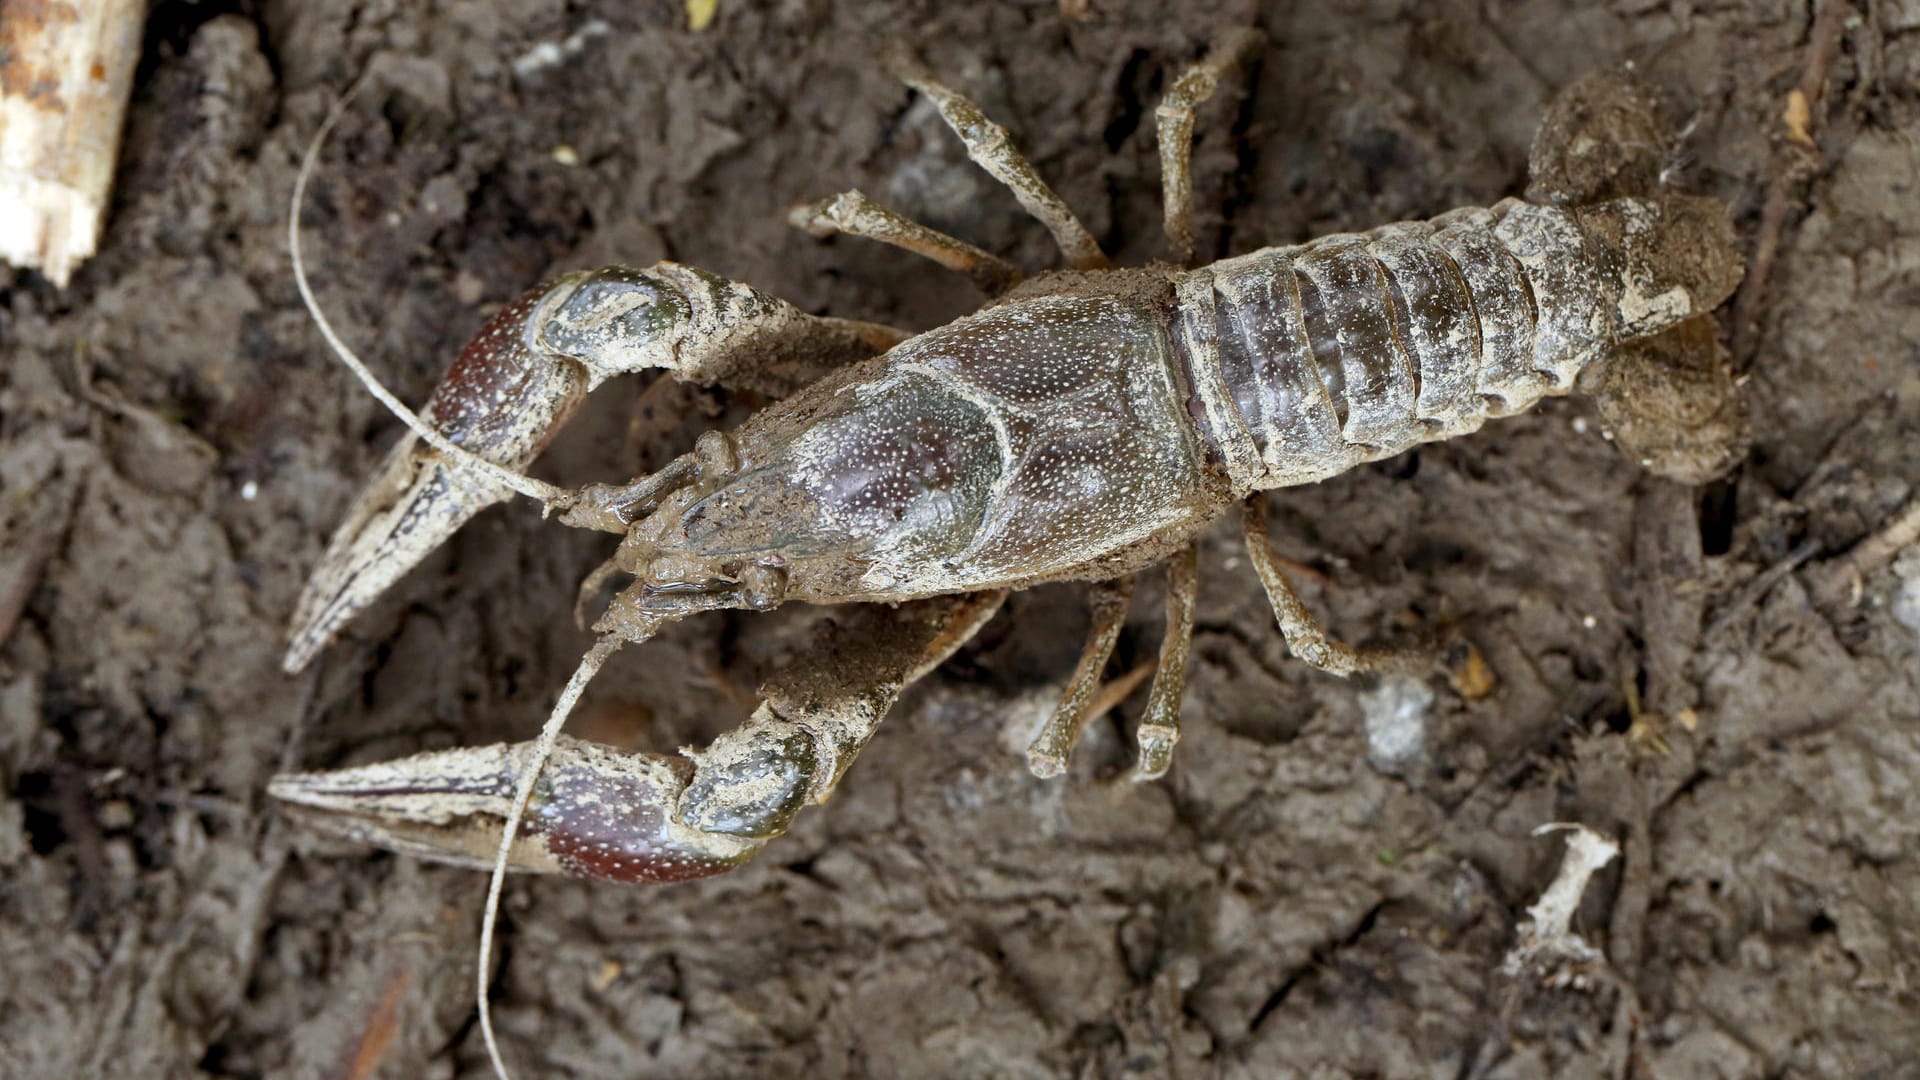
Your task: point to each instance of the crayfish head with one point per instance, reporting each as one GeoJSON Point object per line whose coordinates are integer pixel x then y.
{"type": "Point", "coordinates": [669, 582]}
{"type": "Point", "coordinates": [865, 486]}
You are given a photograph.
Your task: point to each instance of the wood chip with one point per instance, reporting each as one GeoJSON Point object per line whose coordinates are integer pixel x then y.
{"type": "Point", "coordinates": [66, 69]}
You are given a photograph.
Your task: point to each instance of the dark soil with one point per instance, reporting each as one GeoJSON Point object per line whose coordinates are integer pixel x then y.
{"type": "Point", "coordinates": [176, 445]}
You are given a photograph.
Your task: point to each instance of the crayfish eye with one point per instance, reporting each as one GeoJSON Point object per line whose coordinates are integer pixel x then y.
{"type": "Point", "coordinates": [612, 309]}
{"type": "Point", "coordinates": [762, 586]}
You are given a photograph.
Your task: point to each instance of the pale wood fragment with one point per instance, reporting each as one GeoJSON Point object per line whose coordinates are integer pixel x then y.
{"type": "Point", "coordinates": [66, 69]}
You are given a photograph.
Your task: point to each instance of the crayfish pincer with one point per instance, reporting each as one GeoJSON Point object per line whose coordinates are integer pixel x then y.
{"type": "Point", "coordinates": [1084, 426]}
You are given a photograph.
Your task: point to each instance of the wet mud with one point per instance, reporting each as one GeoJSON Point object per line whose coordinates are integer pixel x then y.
{"type": "Point", "coordinates": [1708, 674]}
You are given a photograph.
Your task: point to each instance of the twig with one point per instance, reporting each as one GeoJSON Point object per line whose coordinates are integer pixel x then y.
{"type": "Point", "coordinates": [19, 574]}
{"type": "Point", "coordinates": [1838, 580]}
{"type": "Point", "coordinates": [1797, 158]}
{"type": "Point", "coordinates": [1755, 590]}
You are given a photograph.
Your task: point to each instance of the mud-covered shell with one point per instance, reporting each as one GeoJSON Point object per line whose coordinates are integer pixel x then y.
{"type": "Point", "coordinates": [1026, 442]}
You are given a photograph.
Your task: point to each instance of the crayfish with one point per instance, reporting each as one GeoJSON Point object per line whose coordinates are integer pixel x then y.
{"type": "Point", "coordinates": [1085, 425]}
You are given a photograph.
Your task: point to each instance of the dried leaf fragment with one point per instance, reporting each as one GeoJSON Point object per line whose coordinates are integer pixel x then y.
{"type": "Point", "coordinates": [1798, 116]}
{"type": "Point", "coordinates": [1472, 677]}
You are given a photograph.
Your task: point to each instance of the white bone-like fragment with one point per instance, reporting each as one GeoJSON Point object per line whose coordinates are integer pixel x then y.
{"type": "Point", "coordinates": [1546, 939]}
{"type": "Point", "coordinates": [66, 68]}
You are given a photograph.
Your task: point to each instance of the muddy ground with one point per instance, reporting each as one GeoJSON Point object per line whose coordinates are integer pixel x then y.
{"type": "Point", "coordinates": [175, 446]}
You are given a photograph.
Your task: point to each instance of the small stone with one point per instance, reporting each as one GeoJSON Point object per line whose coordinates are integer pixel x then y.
{"type": "Point", "coordinates": [1396, 723]}
{"type": "Point", "coordinates": [1906, 595]}
{"type": "Point", "coordinates": [13, 833]}
{"type": "Point", "coordinates": [468, 288]}
{"type": "Point", "coordinates": [115, 815]}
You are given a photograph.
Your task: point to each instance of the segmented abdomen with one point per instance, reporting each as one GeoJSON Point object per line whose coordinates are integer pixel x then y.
{"type": "Point", "coordinates": [1308, 360]}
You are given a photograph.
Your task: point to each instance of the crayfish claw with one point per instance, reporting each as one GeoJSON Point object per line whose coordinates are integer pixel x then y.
{"type": "Point", "coordinates": [595, 812]}
{"type": "Point", "coordinates": [412, 504]}
{"type": "Point", "coordinates": [502, 400]}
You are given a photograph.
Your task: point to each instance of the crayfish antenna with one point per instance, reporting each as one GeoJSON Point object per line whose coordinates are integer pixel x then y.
{"type": "Point", "coordinates": [551, 496]}
{"type": "Point", "coordinates": [590, 665]}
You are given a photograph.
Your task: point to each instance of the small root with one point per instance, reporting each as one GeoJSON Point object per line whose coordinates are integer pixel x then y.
{"type": "Point", "coordinates": [1840, 580]}
{"type": "Point", "coordinates": [382, 1026]}
{"type": "Point", "coordinates": [1796, 161]}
